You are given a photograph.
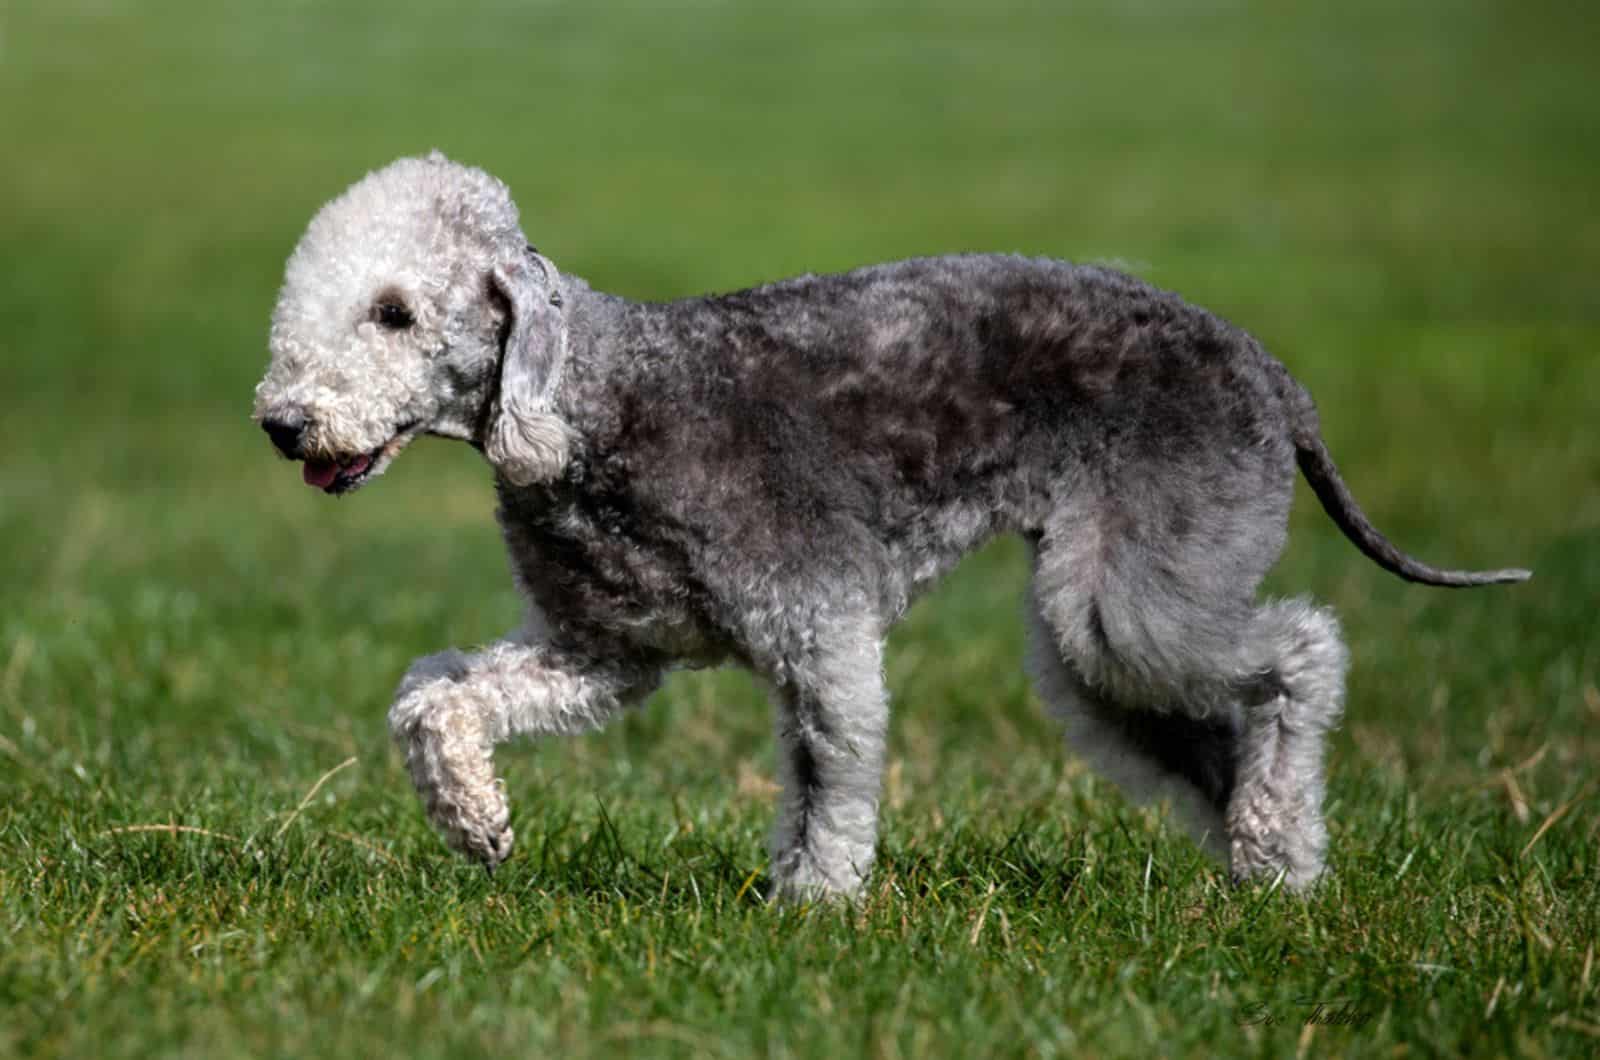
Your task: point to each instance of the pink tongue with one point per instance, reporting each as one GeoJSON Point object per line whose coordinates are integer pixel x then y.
{"type": "Point", "coordinates": [320, 473]}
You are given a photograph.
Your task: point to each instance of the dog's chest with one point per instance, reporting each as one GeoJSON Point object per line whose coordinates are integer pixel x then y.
{"type": "Point", "coordinates": [586, 562]}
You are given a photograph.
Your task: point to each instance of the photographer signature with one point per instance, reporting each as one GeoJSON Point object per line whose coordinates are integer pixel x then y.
{"type": "Point", "coordinates": [1310, 1011]}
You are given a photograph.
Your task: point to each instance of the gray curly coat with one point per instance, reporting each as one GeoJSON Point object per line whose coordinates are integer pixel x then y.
{"type": "Point", "coordinates": [772, 476]}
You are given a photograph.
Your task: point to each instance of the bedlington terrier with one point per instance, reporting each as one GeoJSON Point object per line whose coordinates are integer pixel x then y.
{"type": "Point", "coordinates": [770, 477]}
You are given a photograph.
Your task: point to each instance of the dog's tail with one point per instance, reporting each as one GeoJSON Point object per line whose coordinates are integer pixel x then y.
{"type": "Point", "coordinates": [1341, 506]}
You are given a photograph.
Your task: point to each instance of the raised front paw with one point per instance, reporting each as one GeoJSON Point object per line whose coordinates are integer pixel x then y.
{"type": "Point", "coordinates": [448, 754]}
{"type": "Point", "coordinates": [474, 820]}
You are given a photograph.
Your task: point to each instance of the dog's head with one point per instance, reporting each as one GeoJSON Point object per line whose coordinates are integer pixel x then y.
{"type": "Point", "coordinates": [414, 305]}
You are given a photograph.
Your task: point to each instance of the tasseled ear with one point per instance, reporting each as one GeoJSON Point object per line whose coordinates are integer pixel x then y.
{"type": "Point", "coordinates": [526, 441]}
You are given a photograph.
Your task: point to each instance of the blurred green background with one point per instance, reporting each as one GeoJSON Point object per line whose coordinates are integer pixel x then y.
{"type": "Point", "coordinates": [1398, 198]}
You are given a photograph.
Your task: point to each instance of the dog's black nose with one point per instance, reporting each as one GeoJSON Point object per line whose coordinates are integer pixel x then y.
{"type": "Point", "coordinates": [286, 434]}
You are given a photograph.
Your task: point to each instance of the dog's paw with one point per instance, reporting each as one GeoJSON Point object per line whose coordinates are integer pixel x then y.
{"type": "Point", "coordinates": [799, 879]}
{"type": "Point", "coordinates": [449, 757]}
{"type": "Point", "coordinates": [1268, 844]}
{"type": "Point", "coordinates": [480, 829]}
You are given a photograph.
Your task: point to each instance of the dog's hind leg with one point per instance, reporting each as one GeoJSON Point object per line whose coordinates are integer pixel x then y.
{"type": "Point", "coordinates": [1171, 678]}
{"type": "Point", "coordinates": [1186, 690]}
{"type": "Point", "coordinates": [1275, 822]}
{"type": "Point", "coordinates": [1152, 756]}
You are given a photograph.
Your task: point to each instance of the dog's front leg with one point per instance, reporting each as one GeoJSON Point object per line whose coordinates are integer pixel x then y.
{"type": "Point", "coordinates": [453, 708]}
{"type": "Point", "coordinates": [833, 717]}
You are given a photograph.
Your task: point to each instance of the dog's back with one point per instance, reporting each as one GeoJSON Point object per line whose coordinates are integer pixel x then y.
{"type": "Point", "coordinates": [895, 416]}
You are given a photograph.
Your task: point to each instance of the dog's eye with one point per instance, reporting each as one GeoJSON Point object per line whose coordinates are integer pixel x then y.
{"type": "Point", "coordinates": [392, 315]}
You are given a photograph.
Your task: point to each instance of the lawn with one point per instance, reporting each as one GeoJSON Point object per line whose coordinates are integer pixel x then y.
{"type": "Point", "coordinates": [208, 847]}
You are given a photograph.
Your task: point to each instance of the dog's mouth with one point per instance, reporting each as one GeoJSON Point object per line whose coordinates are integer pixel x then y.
{"type": "Point", "coordinates": [342, 474]}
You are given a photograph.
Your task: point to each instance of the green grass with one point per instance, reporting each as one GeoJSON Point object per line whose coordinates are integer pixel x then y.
{"type": "Point", "coordinates": [1398, 198]}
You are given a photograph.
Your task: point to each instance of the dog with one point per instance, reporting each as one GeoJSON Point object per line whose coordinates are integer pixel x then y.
{"type": "Point", "coordinates": [771, 477]}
